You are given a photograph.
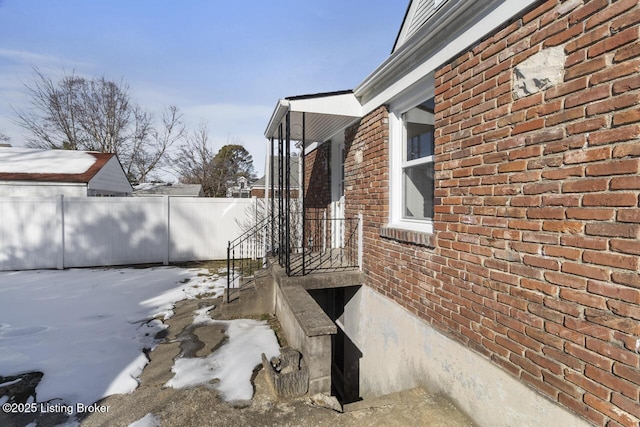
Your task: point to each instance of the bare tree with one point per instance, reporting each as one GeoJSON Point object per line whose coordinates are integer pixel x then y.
{"type": "Point", "coordinates": [52, 119]}
{"type": "Point", "coordinates": [4, 138]}
{"type": "Point", "coordinates": [147, 150]}
{"type": "Point", "coordinates": [97, 114]}
{"type": "Point", "coordinates": [193, 162]}
{"type": "Point", "coordinates": [104, 114]}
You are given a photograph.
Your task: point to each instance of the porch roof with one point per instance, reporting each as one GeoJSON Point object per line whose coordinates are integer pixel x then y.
{"type": "Point", "coordinates": [325, 115]}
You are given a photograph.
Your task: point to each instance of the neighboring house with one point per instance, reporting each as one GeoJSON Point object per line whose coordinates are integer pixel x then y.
{"type": "Point", "coordinates": [28, 172]}
{"type": "Point", "coordinates": [240, 189]}
{"type": "Point", "coordinates": [262, 187]}
{"type": "Point", "coordinates": [494, 158]}
{"type": "Point", "coordinates": [167, 189]}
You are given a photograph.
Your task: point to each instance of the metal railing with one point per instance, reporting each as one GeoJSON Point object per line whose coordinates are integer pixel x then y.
{"type": "Point", "coordinates": [246, 254]}
{"type": "Point", "coordinates": [330, 244]}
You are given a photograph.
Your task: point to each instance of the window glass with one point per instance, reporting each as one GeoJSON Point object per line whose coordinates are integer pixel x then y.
{"type": "Point", "coordinates": [419, 140]}
{"type": "Point", "coordinates": [417, 165]}
{"type": "Point", "coordinates": [418, 191]}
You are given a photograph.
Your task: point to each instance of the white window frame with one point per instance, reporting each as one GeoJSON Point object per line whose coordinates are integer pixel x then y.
{"type": "Point", "coordinates": [397, 143]}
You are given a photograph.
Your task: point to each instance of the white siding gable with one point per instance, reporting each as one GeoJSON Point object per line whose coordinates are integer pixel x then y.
{"type": "Point", "coordinates": [110, 180]}
{"type": "Point", "coordinates": [419, 12]}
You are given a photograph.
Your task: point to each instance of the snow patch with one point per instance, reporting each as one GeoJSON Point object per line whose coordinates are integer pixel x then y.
{"type": "Point", "coordinates": [148, 420]}
{"type": "Point", "coordinates": [233, 363]}
{"type": "Point", "coordinates": [86, 329]}
{"type": "Point", "coordinates": [28, 160]}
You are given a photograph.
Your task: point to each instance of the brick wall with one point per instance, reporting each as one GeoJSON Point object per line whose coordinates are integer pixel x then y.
{"type": "Point", "coordinates": [318, 180]}
{"type": "Point", "coordinates": [366, 185]}
{"type": "Point", "coordinates": [534, 259]}
{"type": "Point", "coordinates": [260, 193]}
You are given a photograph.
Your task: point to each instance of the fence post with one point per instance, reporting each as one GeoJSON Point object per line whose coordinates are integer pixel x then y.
{"type": "Point", "coordinates": [60, 217]}
{"type": "Point", "coordinates": [167, 256]}
{"type": "Point", "coordinates": [360, 242]}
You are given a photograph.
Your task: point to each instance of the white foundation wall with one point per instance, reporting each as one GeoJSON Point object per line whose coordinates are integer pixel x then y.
{"type": "Point", "coordinates": [401, 351]}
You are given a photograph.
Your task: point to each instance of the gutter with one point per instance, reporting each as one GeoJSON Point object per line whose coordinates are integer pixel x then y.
{"type": "Point", "coordinates": [448, 12]}
{"type": "Point", "coordinates": [276, 117]}
{"type": "Point", "coordinates": [454, 27]}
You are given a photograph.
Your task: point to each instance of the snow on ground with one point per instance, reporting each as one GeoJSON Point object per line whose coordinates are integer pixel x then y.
{"type": "Point", "coordinates": [148, 420]}
{"type": "Point", "coordinates": [86, 328]}
{"type": "Point", "coordinates": [233, 363]}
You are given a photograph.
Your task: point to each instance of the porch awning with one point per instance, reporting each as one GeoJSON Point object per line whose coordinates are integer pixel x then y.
{"type": "Point", "coordinates": [325, 115]}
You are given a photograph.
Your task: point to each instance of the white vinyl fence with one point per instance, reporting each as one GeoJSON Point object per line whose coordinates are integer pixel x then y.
{"type": "Point", "coordinates": [61, 232]}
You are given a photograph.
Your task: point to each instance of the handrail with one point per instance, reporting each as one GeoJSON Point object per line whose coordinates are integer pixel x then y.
{"type": "Point", "coordinates": [323, 250]}
{"type": "Point", "coordinates": [250, 232]}
{"type": "Point", "coordinates": [250, 246]}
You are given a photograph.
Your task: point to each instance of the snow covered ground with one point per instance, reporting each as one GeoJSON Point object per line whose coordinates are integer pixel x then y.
{"type": "Point", "coordinates": [148, 420]}
{"type": "Point", "coordinates": [233, 363]}
{"type": "Point", "coordinates": [86, 328]}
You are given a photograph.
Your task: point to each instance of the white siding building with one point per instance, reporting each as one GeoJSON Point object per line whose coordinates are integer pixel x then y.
{"type": "Point", "coordinates": [28, 172]}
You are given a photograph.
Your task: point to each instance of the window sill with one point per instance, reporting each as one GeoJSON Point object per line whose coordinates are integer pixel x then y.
{"type": "Point", "coordinates": [407, 236]}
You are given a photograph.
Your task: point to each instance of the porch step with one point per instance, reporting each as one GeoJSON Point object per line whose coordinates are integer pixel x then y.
{"type": "Point", "coordinates": [254, 297]}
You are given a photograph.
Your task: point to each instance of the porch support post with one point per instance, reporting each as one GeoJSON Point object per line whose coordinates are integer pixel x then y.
{"type": "Point", "coordinates": [272, 200]}
{"type": "Point", "coordinates": [303, 215]}
{"type": "Point", "coordinates": [288, 188]}
{"type": "Point", "coordinates": [280, 200]}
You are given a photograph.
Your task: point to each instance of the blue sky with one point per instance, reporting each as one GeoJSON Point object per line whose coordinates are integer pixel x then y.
{"type": "Point", "coordinates": [225, 63]}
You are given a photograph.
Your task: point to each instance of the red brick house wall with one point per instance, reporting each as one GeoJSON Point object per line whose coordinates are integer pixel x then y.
{"type": "Point", "coordinates": [534, 258]}
{"type": "Point", "coordinates": [318, 181]}
{"type": "Point", "coordinates": [257, 192]}
{"type": "Point", "coordinates": [317, 186]}
{"type": "Point", "coordinates": [260, 193]}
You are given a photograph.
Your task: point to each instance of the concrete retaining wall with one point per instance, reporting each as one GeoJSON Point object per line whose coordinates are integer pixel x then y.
{"type": "Point", "coordinates": [307, 329]}
{"type": "Point", "coordinates": [401, 351]}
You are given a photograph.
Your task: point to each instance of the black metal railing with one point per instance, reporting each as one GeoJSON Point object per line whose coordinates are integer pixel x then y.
{"type": "Point", "coordinates": [319, 244]}
{"type": "Point", "coordinates": [315, 244]}
{"type": "Point", "coordinates": [331, 245]}
{"type": "Point", "coordinates": [246, 254]}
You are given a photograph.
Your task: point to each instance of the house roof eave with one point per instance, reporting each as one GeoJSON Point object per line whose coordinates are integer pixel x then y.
{"type": "Point", "coordinates": [282, 106]}
{"type": "Point", "coordinates": [84, 177]}
{"type": "Point", "coordinates": [391, 67]}
{"type": "Point", "coordinates": [434, 44]}
{"type": "Point", "coordinates": [325, 114]}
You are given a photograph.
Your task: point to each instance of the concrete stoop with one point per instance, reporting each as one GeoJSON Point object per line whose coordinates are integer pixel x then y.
{"type": "Point", "coordinates": [255, 297]}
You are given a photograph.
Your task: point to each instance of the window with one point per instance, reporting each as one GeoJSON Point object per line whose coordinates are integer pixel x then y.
{"type": "Point", "coordinates": [412, 163]}
{"type": "Point", "coordinates": [417, 164]}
